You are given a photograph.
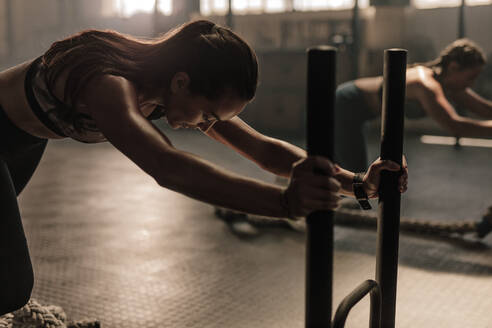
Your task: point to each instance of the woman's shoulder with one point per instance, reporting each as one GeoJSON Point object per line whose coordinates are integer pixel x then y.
{"type": "Point", "coordinates": [106, 89]}
{"type": "Point", "coordinates": [422, 78]}
{"type": "Point", "coordinates": [15, 72]}
{"type": "Point", "coordinates": [12, 83]}
{"type": "Point", "coordinates": [108, 85]}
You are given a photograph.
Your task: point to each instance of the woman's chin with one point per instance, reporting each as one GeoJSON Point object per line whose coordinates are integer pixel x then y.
{"type": "Point", "coordinates": [174, 125]}
{"type": "Point", "coordinates": [178, 126]}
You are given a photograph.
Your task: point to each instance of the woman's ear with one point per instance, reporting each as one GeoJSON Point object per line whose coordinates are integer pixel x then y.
{"type": "Point", "coordinates": [180, 82]}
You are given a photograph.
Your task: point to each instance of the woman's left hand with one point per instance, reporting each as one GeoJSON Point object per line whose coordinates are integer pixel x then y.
{"type": "Point", "coordinates": [373, 175]}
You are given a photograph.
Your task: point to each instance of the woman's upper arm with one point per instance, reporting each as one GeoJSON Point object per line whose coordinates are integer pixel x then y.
{"type": "Point", "coordinates": [112, 103]}
{"type": "Point", "coordinates": [435, 103]}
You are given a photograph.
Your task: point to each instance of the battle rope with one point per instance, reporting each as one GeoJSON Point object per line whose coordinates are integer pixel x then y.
{"type": "Point", "coordinates": [34, 315]}
{"type": "Point", "coordinates": [348, 217]}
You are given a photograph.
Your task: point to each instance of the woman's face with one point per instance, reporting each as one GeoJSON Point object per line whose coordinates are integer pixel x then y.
{"type": "Point", "coordinates": [458, 79]}
{"type": "Point", "coordinates": [185, 110]}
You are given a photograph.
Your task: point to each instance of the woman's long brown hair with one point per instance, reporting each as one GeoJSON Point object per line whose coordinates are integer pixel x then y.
{"type": "Point", "coordinates": [215, 58]}
{"type": "Point", "coordinates": [466, 53]}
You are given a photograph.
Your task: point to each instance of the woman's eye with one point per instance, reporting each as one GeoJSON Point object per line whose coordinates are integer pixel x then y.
{"type": "Point", "coordinates": [206, 118]}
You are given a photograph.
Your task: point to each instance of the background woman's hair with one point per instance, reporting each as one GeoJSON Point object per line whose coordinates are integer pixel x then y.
{"type": "Point", "coordinates": [466, 53]}
{"type": "Point", "coordinates": [216, 59]}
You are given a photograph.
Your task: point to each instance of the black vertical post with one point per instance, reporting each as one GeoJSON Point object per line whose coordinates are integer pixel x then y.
{"type": "Point", "coordinates": [389, 196]}
{"type": "Point", "coordinates": [321, 83]}
{"type": "Point", "coordinates": [355, 40]}
{"type": "Point", "coordinates": [461, 20]}
{"type": "Point", "coordinates": [229, 16]}
{"type": "Point", "coordinates": [461, 34]}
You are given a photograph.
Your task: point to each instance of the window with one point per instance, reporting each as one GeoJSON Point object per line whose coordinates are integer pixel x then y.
{"type": "Point", "coordinates": [128, 8]}
{"type": "Point", "coordinates": [303, 5]}
{"type": "Point", "coordinates": [448, 3]}
{"type": "Point", "coordinates": [220, 7]}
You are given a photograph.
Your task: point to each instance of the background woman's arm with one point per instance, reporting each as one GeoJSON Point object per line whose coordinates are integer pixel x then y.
{"type": "Point", "coordinates": [439, 109]}
{"type": "Point", "coordinates": [473, 102]}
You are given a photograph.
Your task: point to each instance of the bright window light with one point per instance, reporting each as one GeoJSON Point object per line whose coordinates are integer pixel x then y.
{"type": "Point", "coordinates": [128, 8]}
{"type": "Point", "coordinates": [478, 2]}
{"type": "Point", "coordinates": [274, 6]}
{"type": "Point", "coordinates": [165, 7]}
{"type": "Point", "coordinates": [421, 4]}
{"type": "Point", "coordinates": [211, 7]}
{"type": "Point", "coordinates": [451, 141]}
{"type": "Point", "coordinates": [220, 7]}
{"type": "Point", "coordinates": [311, 5]}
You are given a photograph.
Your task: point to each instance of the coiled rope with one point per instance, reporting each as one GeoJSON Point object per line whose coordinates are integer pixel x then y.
{"type": "Point", "coordinates": [351, 217]}
{"type": "Point", "coordinates": [35, 315]}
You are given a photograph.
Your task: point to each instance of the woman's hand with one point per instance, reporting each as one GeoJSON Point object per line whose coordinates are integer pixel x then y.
{"type": "Point", "coordinates": [311, 187]}
{"type": "Point", "coordinates": [373, 175]}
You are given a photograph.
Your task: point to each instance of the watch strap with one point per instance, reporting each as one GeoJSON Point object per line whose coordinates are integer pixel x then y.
{"type": "Point", "coordinates": [359, 192]}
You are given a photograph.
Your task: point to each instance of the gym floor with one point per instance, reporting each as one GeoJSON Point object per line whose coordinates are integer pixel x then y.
{"type": "Point", "coordinates": [108, 243]}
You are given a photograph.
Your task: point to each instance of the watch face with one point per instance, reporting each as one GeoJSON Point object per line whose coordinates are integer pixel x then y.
{"type": "Point", "coordinates": [359, 191]}
{"type": "Point", "coordinates": [361, 195]}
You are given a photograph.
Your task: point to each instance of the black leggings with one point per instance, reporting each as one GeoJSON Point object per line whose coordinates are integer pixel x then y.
{"type": "Point", "coordinates": [351, 113]}
{"type": "Point", "coordinates": [20, 154]}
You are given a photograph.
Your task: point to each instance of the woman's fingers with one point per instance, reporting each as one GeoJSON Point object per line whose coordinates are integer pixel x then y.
{"type": "Point", "coordinates": [403, 183]}
{"type": "Point", "coordinates": [321, 189]}
{"type": "Point", "coordinates": [314, 164]}
{"type": "Point", "coordinates": [404, 161]}
{"type": "Point", "coordinates": [312, 186]}
{"type": "Point", "coordinates": [318, 202]}
{"type": "Point", "coordinates": [324, 183]}
{"type": "Point", "coordinates": [374, 171]}
{"type": "Point", "coordinates": [319, 194]}
{"type": "Point", "coordinates": [380, 165]}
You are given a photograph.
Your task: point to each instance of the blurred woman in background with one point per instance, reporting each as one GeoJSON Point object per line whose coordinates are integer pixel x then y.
{"type": "Point", "coordinates": [432, 89]}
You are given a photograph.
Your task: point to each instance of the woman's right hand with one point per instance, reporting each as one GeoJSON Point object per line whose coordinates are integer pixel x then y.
{"type": "Point", "coordinates": [312, 187]}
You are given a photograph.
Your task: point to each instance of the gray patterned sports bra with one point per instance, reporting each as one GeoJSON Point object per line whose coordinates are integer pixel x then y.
{"type": "Point", "coordinates": [58, 116]}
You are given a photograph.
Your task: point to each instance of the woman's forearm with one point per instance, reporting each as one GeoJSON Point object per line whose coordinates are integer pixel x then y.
{"type": "Point", "coordinates": [204, 181]}
{"type": "Point", "coordinates": [467, 127]}
{"type": "Point", "coordinates": [271, 154]}
{"type": "Point", "coordinates": [279, 156]}
{"type": "Point", "coordinates": [470, 100]}
{"type": "Point", "coordinates": [484, 110]}
{"type": "Point", "coordinates": [346, 178]}
{"type": "Point", "coordinates": [282, 155]}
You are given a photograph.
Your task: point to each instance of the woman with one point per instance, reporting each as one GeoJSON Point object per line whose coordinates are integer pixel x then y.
{"type": "Point", "coordinates": [100, 86]}
{"type": "Point", "coordinates": [432, 89]}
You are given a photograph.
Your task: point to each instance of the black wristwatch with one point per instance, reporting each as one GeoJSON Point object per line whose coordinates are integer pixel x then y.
{"type": "Point", "coordinates": [359, 192]}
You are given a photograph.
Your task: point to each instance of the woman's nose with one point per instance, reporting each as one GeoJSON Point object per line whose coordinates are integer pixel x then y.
{"type": "Point", "coordinates": [196, 120]}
